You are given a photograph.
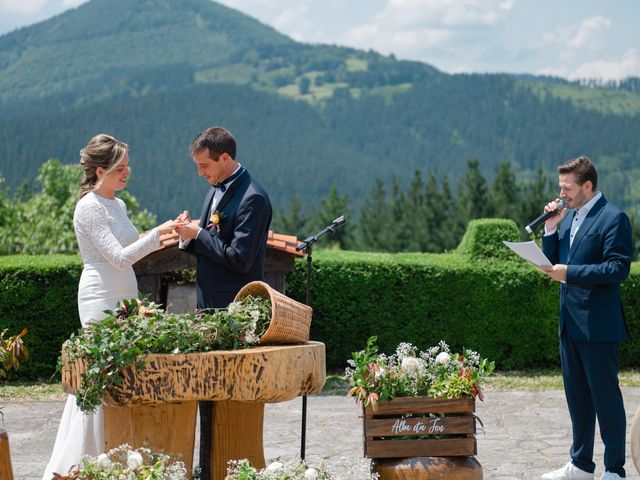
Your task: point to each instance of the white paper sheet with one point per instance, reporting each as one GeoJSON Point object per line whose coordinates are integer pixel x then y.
{"type": "Point", "coordinates": [530, 252]}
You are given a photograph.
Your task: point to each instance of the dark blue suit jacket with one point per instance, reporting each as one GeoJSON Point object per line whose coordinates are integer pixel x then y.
{"type": "Point", "coordinates": [597, 262]}
{"type": "Point", "coordinates": [229, 259]}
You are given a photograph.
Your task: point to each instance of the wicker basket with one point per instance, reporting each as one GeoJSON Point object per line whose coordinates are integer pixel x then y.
{"type": "Point", "coordinates": [290, 320]}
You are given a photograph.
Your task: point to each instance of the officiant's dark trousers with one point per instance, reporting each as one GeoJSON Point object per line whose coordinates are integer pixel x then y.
{"type": "Point", "coordinates": [590, 374]}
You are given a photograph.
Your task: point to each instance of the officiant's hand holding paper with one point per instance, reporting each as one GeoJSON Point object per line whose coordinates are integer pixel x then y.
{"type": "Point", "coordinates": [558, 272]}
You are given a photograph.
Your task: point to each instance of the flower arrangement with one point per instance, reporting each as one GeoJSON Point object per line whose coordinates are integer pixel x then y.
{"type": "Point", "coordinates": [291, 470]}
{"type": "Point", "coordinates": [124, 463]}
{"type": "Point", "coordinates": [216, 219]}
{"type": "Point", "coordinates": [139, 327]}
{"type": "Point", "coordinates": [435, 372]}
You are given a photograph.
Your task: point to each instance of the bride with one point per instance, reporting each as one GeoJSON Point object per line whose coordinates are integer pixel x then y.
{"type": "Point", "coordinates": [109, 246]}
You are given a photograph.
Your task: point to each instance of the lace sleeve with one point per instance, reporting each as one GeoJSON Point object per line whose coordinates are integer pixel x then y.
{"type": "Point", "coordinates": [92, 224]}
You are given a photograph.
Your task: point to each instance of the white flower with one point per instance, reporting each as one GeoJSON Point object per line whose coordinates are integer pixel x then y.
{"type": "Point", "coordinates": [310, 474]}
{"type": "Point", "coordinates": [134, 459]}
{"type": "Point", "coordinates": [443, 358]}
{"type": "Point", "coordinates": [410, 364]}
{"type": "Point", "coordinates": [103, 460]}
{"type": "Point", "coordinates": [274, 467]}
{"type": "Point", "coordinates": [379, 373]}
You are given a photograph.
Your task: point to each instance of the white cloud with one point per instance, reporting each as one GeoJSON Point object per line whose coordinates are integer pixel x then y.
{"type": "Point", "coordinates": [589, 30]}
{"type": "Point", "coordinates": [406, 42]}
{"type": "Point", "coordinates": [443, 13]}
{"type": "Point", "coordinates": [626, 66]}
{"type": "Point", "coordinates": [585, 35]}
{"type": "Point", "coordinates": [294, 20]}
{"type": "Point", "coordinates": [413, 28]}
{"type": "Point", "coordinates": [25, 7]}
{"type": "Point", "coordinates": [72, 3]}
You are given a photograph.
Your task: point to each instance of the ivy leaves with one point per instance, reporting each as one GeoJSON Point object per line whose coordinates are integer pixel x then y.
{"type": "Point", "coordinates": [140, 327]}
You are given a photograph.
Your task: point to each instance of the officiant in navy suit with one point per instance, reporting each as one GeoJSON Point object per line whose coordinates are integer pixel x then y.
{"type": "Point", "coordinates": [230, 240]}
{"type": "Point", "coordinates": [589, 243]}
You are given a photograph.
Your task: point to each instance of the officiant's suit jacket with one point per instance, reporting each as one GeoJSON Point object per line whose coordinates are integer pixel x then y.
{"type": "Point", "coordinates": [597, 262]}
{"type": "Point", "coordinates": [234, 256]}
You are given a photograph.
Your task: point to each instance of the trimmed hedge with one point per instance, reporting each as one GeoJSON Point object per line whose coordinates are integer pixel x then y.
{"type": "Point", "coordinates": [40, 292]}
{"type": "Point", "coordinates": [507, 311]}
{"type": "Point", "coordinates": [481, 297]}
{"type": "Point", "coordinates": [483, 239]}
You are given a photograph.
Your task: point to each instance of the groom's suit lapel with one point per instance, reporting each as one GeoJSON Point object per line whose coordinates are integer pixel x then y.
{"type": "Point", "coordinates": [231, 189]}
{"type": "Point", "coordinates": [207, 207]}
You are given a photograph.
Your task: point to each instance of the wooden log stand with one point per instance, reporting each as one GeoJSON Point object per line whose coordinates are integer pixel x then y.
{"type": "Point", "coordinates": [157, 404]}
{"type": "Point", "coordinates": [422, 438]}
{"type": "Point", "coordinates": [6, 471]}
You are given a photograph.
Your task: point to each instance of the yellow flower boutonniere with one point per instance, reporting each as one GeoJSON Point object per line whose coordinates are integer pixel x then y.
{"type": "Point", "coordinates": [216, 219]}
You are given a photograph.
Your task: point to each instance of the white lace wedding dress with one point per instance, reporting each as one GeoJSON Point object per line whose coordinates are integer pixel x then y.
{"type": "Point", "coordinates": [109, 246]}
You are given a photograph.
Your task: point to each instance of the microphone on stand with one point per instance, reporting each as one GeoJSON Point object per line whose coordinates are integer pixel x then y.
{"type": "Point", "coordinates": [545, 216]}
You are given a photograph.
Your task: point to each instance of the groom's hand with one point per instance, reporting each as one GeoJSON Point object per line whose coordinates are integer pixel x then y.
{"type": "Point", "coordinates": [188, 230]}
{"type": "Point", "coordinates": [184, 217]}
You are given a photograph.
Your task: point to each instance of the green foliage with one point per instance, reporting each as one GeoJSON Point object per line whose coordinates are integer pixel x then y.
{"type": "Point", "coordinates": [42, 222]}
{"type": "Point", "coordinates": [422, 298]}
{"type": "Point", "coordinates": [435, 372]}
{"type": "Point", "coordinates": [363, 112]}
{"type": "Point", "coordinates": [425, 298]}
{"type": "Point", "coordinates": [483, 239]}
{"type": "Point", "coordinates": [294, 221]}
{"type": "Point", "coordinates": [138, 328]}
{"type": "Point", "coordinates": [41, 293]}
{"type": "Point", "coordinates": [473, 195]}
{"type": "Point", "coordinates": [12, 352]}
{"type": "Point", "coordinates": [333, 206]}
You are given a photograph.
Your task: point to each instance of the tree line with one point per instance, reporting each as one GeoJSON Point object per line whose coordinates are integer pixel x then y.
{"type": "Point", "coordinates": [429, 214]}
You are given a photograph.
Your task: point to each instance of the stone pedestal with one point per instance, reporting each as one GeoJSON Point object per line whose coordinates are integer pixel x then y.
{"type": "Point", "coordinates": [427, 468]}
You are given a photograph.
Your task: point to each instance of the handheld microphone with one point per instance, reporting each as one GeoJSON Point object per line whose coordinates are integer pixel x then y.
{"type": "Point", "coordinates": [545, 216]}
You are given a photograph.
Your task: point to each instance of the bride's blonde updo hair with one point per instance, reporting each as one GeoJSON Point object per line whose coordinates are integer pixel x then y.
{"type": "Point", "coordinates": [102, 151]}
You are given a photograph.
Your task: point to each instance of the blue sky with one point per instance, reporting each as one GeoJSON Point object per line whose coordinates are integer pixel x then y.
{"type": "Point", "coordinates": [567, 38]}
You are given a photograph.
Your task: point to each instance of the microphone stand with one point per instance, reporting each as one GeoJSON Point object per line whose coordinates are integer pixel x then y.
{"type": "Point", "coordinates": [306, 248]}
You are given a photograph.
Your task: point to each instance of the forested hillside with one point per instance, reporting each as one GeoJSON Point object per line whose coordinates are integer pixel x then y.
{"type": "Point", "coordinates": [307, 117]}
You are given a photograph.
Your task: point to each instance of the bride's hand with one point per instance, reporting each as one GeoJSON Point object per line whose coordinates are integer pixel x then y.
{"type": "Point", "coordinates": [167, 227]}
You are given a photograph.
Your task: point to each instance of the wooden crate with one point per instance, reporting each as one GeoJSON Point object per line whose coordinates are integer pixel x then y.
{"type": "Point", "coordinates": [420, 427]}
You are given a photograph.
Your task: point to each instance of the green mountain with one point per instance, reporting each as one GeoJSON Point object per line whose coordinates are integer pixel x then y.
{"type": "Point", "coordinates": [156, 72]}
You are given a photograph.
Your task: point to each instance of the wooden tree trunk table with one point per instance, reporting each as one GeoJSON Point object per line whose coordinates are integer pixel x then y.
{"type": "Point", "coordinates": [158, 404]}
{"type": "Point", "coordinates": [6, 471]}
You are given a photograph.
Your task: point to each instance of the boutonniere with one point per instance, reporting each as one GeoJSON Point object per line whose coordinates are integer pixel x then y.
{"type": "Point", "coordinates": [216, 219]}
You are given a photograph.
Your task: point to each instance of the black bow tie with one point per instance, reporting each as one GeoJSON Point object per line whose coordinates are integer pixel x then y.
{"type": "Point", "coordinates": [222, 186]}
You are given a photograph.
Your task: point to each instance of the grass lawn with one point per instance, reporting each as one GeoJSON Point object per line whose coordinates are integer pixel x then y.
{"type": "Point", "coordinates": [337, 385]}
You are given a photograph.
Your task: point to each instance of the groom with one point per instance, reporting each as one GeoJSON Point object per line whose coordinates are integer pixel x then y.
{"type": "Point", "coordinates": [230, 240]}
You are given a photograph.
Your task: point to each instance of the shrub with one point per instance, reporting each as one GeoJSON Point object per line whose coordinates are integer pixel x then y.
{"type": "Point", "coordinates": [41, 293]}
{"type": "Point", "coordinates": [484, 236]}
{"type": "Point", "coordinates": [506, 311]}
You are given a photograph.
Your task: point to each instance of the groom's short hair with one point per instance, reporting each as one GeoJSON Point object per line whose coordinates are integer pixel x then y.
{"type": "Point", "coordinates": [217, 139]}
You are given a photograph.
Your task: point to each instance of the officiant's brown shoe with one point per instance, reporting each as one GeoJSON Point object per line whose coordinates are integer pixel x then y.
{"type": "Point", "coordinates": [568, 472]}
